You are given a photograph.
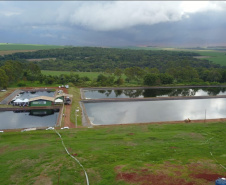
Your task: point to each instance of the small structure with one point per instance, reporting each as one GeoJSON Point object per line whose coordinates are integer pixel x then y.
{"type": "Point", "coordinates": [41, 101]}
{"type": "Point", "coordinates": [59, 101]}
{"type": "Point", "coordinates": [65, 97]}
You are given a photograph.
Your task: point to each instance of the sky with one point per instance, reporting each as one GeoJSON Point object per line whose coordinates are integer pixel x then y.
{"type": "Point", "coordinates": [114, 23]}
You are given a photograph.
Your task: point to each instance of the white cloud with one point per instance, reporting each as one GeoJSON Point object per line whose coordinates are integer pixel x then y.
{"type": "Point", "coordinates": [48, 35]}
{"type": "Point", "coordinates": [9, 13]}
{"type": "Point", "coordinates": [119, 15]}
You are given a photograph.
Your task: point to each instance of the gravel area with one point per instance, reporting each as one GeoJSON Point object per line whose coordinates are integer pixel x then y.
{"type": "Point", "coordinates": [10, 97]}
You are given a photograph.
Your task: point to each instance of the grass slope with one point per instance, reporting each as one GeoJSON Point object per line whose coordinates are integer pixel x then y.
{"type": "Point", "coordinates": [106, 152]}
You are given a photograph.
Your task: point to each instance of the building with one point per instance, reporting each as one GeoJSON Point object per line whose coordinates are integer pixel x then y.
{"type": "Point", "coordinates": [41, 101]}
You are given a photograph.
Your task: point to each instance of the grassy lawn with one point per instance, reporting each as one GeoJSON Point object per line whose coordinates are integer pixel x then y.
{"type": "Point", "coordinates": [177, 151]}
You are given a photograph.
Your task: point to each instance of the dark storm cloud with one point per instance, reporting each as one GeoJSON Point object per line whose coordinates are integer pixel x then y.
{"type": "Point", "coordinates": [113, 23]}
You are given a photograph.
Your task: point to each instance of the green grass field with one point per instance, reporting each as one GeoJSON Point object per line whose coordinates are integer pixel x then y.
{"type": "Point", "coordinates": [169, 152]}
{"type": "Point", "coordinates": [215, 56]}
{"type": "Point", "coordinates": [10, 46]}
{"type": "Point", "coordinates": [90, 75]}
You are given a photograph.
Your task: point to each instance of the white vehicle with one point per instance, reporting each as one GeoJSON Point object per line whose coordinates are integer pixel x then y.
{"type": "Point", "coordinates": [50, 128]}
{"type": "Point", "coordinates": [28, 129]}
{"type": "Point", "coordinates": [65, 128]}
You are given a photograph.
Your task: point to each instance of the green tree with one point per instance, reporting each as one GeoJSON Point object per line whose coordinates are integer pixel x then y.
{"type": "Point", "coordinates": [3, 79]}
{"type": "Point", "coordinates": [134, 73]}
{"type": "Point", "coordinates": [166, 78]}
{"type": "Point", "coordinates": [150, 79]}
{"type": "Point", "coordinates": [118, 72]}
{"type": "Point", "coordinates": [214, 76]}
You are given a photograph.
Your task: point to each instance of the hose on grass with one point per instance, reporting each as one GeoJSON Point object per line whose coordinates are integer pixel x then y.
{"type": "Point", "coordinates": [87, 179]}
{"type": "Point", "coordinates": [208, 140]}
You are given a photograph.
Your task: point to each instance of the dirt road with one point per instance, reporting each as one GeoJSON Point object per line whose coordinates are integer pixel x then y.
{"type": "Point", "coordinates": [67, 122]}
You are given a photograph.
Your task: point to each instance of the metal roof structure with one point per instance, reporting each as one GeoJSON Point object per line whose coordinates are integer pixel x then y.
{"type": "Point", "coordinates": [42, 98]}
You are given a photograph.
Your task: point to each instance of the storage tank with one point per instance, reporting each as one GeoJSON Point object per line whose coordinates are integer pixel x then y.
{"type": "Point", "coordinates": [221, 181]}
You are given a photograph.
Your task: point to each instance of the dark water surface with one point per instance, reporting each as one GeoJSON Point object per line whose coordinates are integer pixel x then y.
{"type": "Point", "coordinates": [155, 111]}
{"type": "Point", "coordinates": [160, 92]}
{"type": "Point", "coordinates": [28, 119]}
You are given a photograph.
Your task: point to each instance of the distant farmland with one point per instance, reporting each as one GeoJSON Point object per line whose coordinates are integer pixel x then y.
{"type": "Point", "coordinates": [8, 48]}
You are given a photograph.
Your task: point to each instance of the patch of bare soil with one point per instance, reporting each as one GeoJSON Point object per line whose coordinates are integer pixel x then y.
{"type": "Point", "coordinates": [208, 177]}
{"type": "Point", "coordinates": [144, 178]}
{"type": "Point", "coordinates": [171, 174]}
{"type": "Point", "coordinates": [43, 179]}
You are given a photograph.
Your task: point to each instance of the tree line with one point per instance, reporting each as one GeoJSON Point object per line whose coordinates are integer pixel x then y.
{"type": "Point", "coordinates": [118, 67]}
{"type": "Point", "coordinates": [94, 59]}
{"type": "Point", "coordinates": [14, 71]}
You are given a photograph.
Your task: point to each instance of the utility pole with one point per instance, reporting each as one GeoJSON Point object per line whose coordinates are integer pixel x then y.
{"type": "Point", "coordinates": [76, 112]}
{"type": "Point", "coordinates": [205, 116]}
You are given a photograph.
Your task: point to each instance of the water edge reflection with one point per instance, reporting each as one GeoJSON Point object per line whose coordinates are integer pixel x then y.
{"type": "Point", "coordinates": [155, 111]}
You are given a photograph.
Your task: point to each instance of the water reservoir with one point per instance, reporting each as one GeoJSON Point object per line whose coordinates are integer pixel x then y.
{"type": "Point", "coordinates": [28, 118]}
{"type": "Point", "coordinates": [106, 113]}
{"type": "Point", "coordinates": [153, 92]}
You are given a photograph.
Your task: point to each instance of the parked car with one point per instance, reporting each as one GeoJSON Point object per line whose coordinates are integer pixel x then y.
{"type": "Point", "coordinates": [50, 128]}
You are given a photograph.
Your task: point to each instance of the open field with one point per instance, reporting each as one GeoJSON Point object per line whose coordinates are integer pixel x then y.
{"type": "Point", "coordinates": [90, 75]}
{"type": "Point", "coordinates": [13, 51]}
{"type": "Point", "coordinates": [215, 56]}
{"type": "Point", "coordinates": [173, 154]}
{"type": "Point", "coordinates": [10, 46]}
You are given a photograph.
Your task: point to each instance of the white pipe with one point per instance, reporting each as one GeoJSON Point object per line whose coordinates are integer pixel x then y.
{"type": "Point", "coordinates": [87, 179]}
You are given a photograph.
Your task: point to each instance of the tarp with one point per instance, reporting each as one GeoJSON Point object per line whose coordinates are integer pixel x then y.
{"type": "Point", "coordinates": [59, 101]}
{"type": "Point", "coordinates": [18, 101]}
{"type": "Point", "coordinates": [26, 100]}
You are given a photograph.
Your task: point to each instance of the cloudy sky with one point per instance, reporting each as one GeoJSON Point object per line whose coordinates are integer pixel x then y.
{"type": "Point", "coordinates": [114, 23]}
